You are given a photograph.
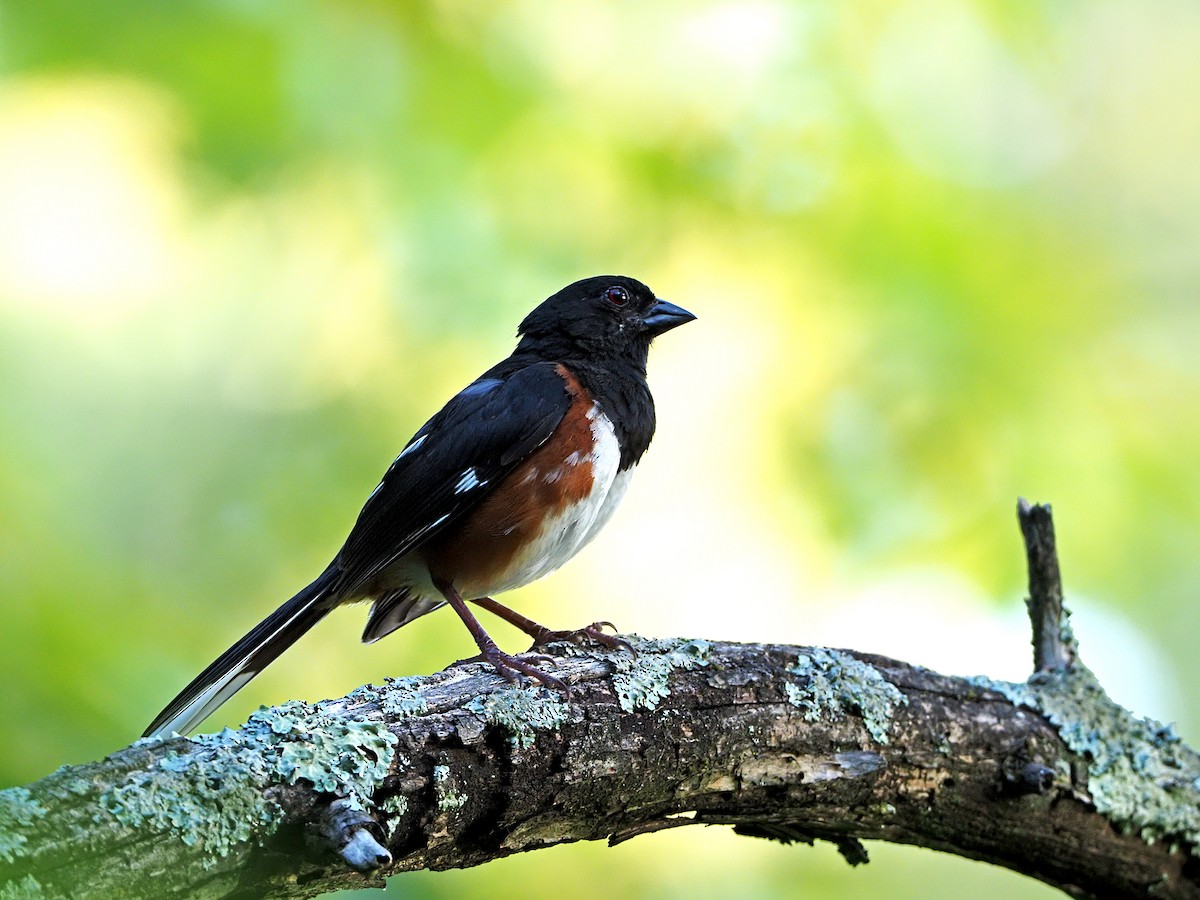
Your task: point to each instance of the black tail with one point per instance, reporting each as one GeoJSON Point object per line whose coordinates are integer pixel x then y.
{"type": "Point", "coordinates": [245, 659]}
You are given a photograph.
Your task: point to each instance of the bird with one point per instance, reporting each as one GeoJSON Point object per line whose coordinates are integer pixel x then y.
{"type": "Point", "coordinates": [502, 486]}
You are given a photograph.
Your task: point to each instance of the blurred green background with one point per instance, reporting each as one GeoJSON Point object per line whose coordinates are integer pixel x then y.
{"type": "Point", "coordinates": [943, 254]}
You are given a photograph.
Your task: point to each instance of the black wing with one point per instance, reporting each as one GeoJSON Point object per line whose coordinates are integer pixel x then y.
{"type": "Point", "coordinates": [451, 464]}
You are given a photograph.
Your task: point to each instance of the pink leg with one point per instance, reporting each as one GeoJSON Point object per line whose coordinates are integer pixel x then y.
{"type": "Point", "coordinates": [543, 635]}
{"type": "Point", "coordinates": [508, 666]}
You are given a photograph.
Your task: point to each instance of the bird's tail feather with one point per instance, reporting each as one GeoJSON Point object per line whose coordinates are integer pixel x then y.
{"type": "Point", "coordinates": [234, 668]}
{"type": "Point", "coordinates": [396, 608]}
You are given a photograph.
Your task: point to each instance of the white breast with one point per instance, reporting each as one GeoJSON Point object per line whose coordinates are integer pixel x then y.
{"type": "Point", "coordinates": [565, 535]}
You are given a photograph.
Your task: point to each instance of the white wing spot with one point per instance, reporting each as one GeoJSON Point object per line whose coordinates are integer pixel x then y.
{"type": "Point", "coordinates": [469, 481]}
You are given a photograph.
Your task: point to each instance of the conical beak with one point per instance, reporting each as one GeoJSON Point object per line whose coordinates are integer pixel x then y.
{"type": "Point", "coordinates": [664, 316]}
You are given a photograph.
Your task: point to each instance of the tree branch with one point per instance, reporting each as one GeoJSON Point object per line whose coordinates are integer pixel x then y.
{"type": "Point", "coordinates": [1053, 643]}
{"type": "Point", "coordinates": [1048, 777]}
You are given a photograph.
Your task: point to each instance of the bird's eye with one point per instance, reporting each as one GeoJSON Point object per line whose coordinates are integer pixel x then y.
{"type": "Point", "coordinates": [617, 295]}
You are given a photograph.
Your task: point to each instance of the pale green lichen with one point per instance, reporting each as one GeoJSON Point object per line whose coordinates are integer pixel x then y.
{"type": "Point", "coordinates": [642, 680]}
{"type": "Point", "coordinates": [447, 796]}
{"type": "Point", "coordinates": [28, 888]}
{"type": "Point", "coordinates": [396, 805]}
{"type": "Point", "coordinates": [18, 810]}
{"type": "Point", "coordinates": [396, 698]}
{"type": "Point", "coordinates": [1141, 776]}
{"type": "Point", "coordinates": [401, 698]}
{"type": "Point", "coordinates": [211, 794]}
{"type": "Point", "coordinates": [368, 693]}
{"type": "Point", "coordinates": [835, 683]}
{"type": "Point", "coordinates": [522, 713]}
{"type": "Point", "coordinates": [393, 809]}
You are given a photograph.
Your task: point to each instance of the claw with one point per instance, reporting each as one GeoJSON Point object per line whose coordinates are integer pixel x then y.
{"type": "Point", "coordinates": [591, 632]}
{"type": "Point", "coordinates": [510, 667]}
{"type": "Point", "coordinates": [541, 658]}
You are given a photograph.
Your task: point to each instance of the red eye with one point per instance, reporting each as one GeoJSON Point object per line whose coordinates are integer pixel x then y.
{"type": "Point", "coordinates": [617, 295]}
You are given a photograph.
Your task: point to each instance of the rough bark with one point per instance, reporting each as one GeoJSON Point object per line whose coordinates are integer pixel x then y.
{"type": "Point", "coordinates": [1053, 643]}
{"type": "Point", "coordinates": [1048, 778]}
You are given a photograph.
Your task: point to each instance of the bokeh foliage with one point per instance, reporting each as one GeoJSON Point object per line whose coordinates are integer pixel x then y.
{"type": "Point", "coordinates": [942, 254]}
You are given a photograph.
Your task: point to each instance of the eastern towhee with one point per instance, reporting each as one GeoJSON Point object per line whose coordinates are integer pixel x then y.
{"type": "Point", "coordinates": [505, 484]}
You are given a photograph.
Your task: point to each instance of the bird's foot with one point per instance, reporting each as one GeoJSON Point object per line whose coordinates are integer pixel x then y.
{"type": "Point", "coordinates": [512, 668]}
{"type": "Point", "coordinates": [593, 632]}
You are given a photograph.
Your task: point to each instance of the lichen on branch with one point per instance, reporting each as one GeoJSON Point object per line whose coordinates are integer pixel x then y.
{"type": "Point", "coordinates": [1048, 777]}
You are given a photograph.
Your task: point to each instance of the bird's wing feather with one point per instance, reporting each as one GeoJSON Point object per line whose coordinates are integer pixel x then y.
{"type": "Point", "coordinates": [448, 466]}
{"type": "Point", "coordinates": [451, 464]}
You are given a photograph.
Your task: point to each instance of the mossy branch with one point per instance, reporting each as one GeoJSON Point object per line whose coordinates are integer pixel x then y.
{"type": "Point", "coordinates": [1048, 777]}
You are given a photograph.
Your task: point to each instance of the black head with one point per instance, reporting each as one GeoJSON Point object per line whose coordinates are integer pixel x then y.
{"type": "Point", "coordinates": [607, 315]}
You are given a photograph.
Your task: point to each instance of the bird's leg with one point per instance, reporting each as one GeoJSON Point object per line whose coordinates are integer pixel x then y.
{"type": "Point", "coordinates": [507, 665]}
{"type": "Point", "coordinates": [542, 635]}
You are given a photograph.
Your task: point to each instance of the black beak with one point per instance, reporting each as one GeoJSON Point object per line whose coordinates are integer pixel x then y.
{"type": "Point", "coordinates": [664, 316]}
